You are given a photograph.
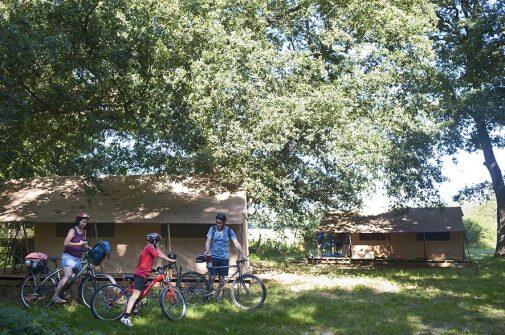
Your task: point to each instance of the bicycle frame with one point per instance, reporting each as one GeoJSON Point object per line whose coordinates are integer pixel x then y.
{"type": "Point", "coordinates": [56, 272]}
{"type": "Point", "coordinates": [159, 278]}
{"type": "Point", "coordinates": [229, 278]}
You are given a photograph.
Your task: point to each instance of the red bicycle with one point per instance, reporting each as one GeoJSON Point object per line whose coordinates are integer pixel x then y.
{"type": "Point", "coordinates": [109, 302]}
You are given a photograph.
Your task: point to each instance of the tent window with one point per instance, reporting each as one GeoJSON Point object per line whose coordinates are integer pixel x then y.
{"type": "Point", "coordinates": [373, 236]}
{"type": "Point", "coordinates": [103, 229]}
{"type": "Point", "coordinates": [192, 230]}
{"type": "Point", "coordinates": [189, 230]}
{"type": "Point", "coordinates": [443, 236]}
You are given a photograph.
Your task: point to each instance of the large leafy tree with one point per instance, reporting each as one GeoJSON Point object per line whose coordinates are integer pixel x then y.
{"type": "Point", "coordinates": [470, 44]}
{"type": "Point", "coordinates": [306, 103]}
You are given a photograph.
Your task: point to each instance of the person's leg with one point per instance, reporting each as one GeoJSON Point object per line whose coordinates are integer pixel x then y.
{"type": "Point", "coordinates": [67, 275]}
{"type": "Point", "coordinates": [222, 271]}
{"type": "Point", "coordinates": [221, 280]}
{"type": "Point", "coordinates": [213, 273]}
{"type": "Point", "coordinates": [135, 295]}
{"type": "Point", "coordinates": [73, 291]}
{"type": "Point", "coordinates": [139, 286]}
{"type": "Point", "coordinates": [125, 319]}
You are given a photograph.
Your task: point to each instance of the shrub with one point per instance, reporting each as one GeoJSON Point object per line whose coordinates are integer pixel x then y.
{"type": "Point", "coordinates": [17, 321]}
{"type": "Point", "coordinates": [473, 231]}
{"type": "Point", "coordinates": [274, 250]}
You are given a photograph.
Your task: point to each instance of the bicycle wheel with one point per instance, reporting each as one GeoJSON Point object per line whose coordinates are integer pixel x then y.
{"type": "Point", "coordinates": [194, 286]}
{"type": "Point", "coordinates": [37, 291]}
{"type": "Point", "coordinates": [109, 302]}
{"type": "Point", "coordinates": [88, 286]}
{"type": "Point", "coordinates": [172, 303]}
{"type": "Point", "coordinates": [248, 292]}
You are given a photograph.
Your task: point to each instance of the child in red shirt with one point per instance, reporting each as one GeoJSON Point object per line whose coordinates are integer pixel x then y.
{"type": "Point", "coordinates": [142, 271]}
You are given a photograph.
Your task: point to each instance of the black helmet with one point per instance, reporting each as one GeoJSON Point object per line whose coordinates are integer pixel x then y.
{"type": "Point", "coordinates": [153, 238]}
{"type": "Point", "coordinates": [221, 217]}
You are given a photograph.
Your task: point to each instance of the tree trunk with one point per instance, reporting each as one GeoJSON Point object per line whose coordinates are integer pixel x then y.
{"type": "Point", "coordinates": [498, 186]}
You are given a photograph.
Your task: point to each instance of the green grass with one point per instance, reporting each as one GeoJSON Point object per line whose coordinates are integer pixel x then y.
{"type": "Point", "coordinates": [367, 301]}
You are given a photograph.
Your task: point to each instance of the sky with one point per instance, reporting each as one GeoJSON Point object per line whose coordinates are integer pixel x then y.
{"type": "Point", "coordinates": [467, 170]}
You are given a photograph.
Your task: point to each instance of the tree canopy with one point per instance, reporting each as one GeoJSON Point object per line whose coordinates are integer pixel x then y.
{"type": "Point", "coordinates": [470, 44]}
{"type": "Point", "coordinates": [305, 103]}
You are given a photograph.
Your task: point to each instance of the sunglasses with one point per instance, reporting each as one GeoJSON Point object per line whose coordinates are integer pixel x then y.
{"type": "Point", "coordinates": [219, 222]}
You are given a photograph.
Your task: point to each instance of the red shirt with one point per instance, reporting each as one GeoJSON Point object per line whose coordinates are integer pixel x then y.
{"type": "Point", "coordinates": [146, 261]}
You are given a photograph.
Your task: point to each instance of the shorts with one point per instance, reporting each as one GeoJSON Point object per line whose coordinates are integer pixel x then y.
{"type": "Point", "coordinates": [140, 282]}
{"type": "Point", "coordinates": [218, 262]}
{"type": "Point", "coordinates": [71, 261]}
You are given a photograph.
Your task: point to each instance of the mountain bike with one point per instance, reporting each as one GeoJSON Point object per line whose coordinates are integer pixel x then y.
{"type": "Point", "coordinates": [247, 290]}
{"type": "Point", "coordinates": [109, 302]}
{"type": "Point", "coordinates": [38, 288]}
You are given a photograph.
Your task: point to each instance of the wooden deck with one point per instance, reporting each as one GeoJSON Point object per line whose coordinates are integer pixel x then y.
{"type": "Point", "coordinates": [15, 279]}
{"type": "Point", "coordinates": [390, 262]}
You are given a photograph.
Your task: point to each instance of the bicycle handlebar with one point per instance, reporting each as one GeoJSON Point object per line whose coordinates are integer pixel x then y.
{"type": "Point", "coordinates": [161, 269]}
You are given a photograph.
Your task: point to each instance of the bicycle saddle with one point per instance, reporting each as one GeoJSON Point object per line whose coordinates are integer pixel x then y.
{"type": "Point", "coordinates": [128, 277]}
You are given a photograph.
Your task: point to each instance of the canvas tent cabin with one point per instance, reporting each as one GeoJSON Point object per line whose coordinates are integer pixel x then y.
{"type": "Point", "coordinates": [124, 209]}
{"type": "Point", "coordinates": [434, 234]}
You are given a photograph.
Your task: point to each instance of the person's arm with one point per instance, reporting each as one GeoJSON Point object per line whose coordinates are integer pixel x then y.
{"type": "Point", "coordinates": [165, 257]}
{"type": "Point", "coordinates": [156, 253]}
{"type": "Point", "coordinates": [70, 236]}
{"type": "Point", "coordinates": [239, 248]}
{"type": "Point", "coordinates": [207, 245]}
{"type": "Point", "coordinates": [209, 241]}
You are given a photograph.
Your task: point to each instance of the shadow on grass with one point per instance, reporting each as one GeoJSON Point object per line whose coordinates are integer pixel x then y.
{"type": "Point", "coordinates": [429, 301]}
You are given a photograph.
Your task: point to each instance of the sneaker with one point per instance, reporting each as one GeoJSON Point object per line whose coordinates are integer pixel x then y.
{"type": "Point", "coordinates": [58, 300]}
{"type": "Point", "coordinates": [126, 321]}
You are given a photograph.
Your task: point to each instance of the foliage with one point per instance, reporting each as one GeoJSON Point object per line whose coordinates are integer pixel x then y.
{"type": "Point", "coordinates": [471, 59]}
{"type": "Point", "coordinates": [276, 251]}
{"type": "Point", "coordinates": [305, 103]}
{"type": "Point", "coordinates": [469, 45]}
{"type": "Point", "coordinates": [480, 224]}
{"type": "Point", "coordinates": [18, 321]}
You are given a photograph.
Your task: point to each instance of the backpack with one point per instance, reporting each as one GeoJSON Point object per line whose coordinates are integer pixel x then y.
{"type": "Point", "coordinates": [98, 252]}
{"type": "Point", "coordinates": [214, 229]}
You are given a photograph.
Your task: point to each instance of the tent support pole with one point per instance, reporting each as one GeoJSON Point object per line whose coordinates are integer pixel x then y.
{"type": "Point", "coordinates": [169, 241]}
{"type": "Point", "coordinates": [350, 245]}
{"type": "Point", "coordinates": [424, 247]}
{"type": "Point", "coordinates": [467, 248]}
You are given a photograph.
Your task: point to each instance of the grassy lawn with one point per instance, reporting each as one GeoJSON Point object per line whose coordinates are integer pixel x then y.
{"type": "Point", "coordinates": [305, 299]}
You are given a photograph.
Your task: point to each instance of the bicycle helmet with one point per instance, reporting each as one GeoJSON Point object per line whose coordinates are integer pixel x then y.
{"type": "Point", "coordinates": [81, 215]}
{"type": "Point", "coordinates": [153, 238]}
{"type": "Point", "coordinates": [221, 217]}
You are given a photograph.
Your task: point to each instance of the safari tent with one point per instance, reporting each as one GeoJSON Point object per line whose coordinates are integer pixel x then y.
{"type": "Point", "coordinates": [433, 234]}
{"type": "Point", "coordinates": [124, 209]}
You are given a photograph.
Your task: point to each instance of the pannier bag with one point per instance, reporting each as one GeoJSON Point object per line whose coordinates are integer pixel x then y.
{"type": "Point", "coordinates": [36, 262]}
{"type": "Point", "coordinates": [99, 252]}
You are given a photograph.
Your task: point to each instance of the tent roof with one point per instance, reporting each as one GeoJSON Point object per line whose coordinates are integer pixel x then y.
{"type": "Point", "coordinates": [445, 219]}
{"type": "Point", "coordinates": [122, 199]}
